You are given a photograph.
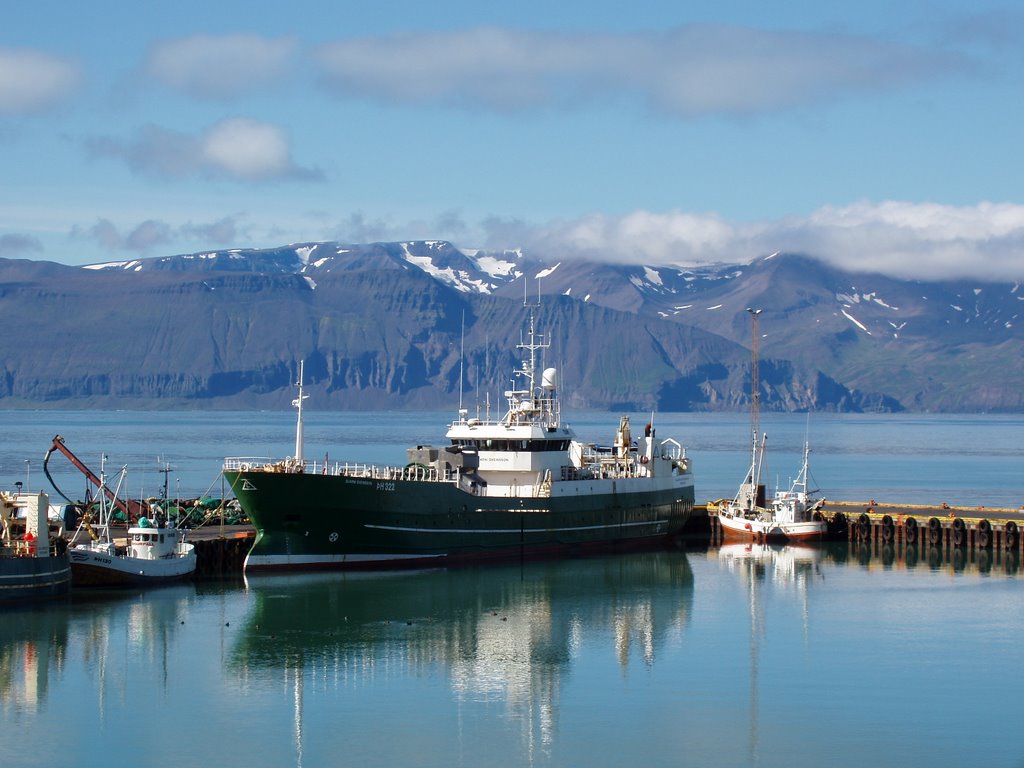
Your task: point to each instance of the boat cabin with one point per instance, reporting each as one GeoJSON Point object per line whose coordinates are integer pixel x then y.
{"type": "Point", "coordinates": [150, 543]}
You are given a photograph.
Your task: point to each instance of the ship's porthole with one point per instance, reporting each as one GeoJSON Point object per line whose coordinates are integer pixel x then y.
{"type": "Point", "coordinates": [333, 537]}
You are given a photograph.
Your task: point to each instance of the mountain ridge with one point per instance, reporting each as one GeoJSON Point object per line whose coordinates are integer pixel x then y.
{"type": "Point", "coordinates": [381, 325]}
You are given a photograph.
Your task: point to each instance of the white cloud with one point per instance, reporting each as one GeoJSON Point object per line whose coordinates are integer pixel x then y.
{"type": "Point", "coordinates": [217, 67]}
{"type": "Point", "coordinates": [247, 149]}
{"type": "Point", "coordinates": [907, 240]}
{"type": "Point", "coordinates": [690, 71]}
{"type": "Point", "coordinates": [237, 148]}
{"type": "Point", "coordinates": [31, 81]}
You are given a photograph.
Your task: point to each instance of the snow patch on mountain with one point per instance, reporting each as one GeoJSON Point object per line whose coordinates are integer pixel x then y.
{"type": "Point", "coordinates": [653, 276]}
{"type": "Point", "coordinates": [126, 265]}
{"type": "Point", "coordinates": [855, 321]}
{"type": "Point", "coordinates": [496, 267]}
{"type": "Point", "coordinates": [548, 271]}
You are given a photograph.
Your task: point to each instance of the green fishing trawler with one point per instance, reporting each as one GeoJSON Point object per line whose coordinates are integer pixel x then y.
{"type": "Point", "coordinates": [521, 485]}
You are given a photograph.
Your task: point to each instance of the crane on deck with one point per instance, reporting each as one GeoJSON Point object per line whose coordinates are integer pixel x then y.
{"type": "Point", "coordinates": [58, 445]}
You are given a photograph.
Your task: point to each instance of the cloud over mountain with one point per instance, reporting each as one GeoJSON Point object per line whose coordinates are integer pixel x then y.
{"type": "Point", "coordinates": [14, 245]}
{"type": "Point", "coordinates": [148, 235]}
{"type": "Point", "coordinates": [901, 239]}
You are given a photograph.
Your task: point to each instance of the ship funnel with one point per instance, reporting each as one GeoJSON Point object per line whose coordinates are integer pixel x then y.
{"type": "Point", "coordinates": [549, 379]}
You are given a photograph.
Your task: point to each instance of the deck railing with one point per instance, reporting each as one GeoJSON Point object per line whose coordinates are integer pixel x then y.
{"type": "Point", "coordinates": [420, 472]}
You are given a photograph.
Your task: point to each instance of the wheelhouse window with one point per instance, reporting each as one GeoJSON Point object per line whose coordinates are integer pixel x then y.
{"type": "Point", "coordinates": [532, 446]}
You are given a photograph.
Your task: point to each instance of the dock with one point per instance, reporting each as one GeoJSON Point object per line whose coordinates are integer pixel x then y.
{"type": "Point", "coordinates": [221, 550]}
{"type": "Point", "coordinates": [944, 526]}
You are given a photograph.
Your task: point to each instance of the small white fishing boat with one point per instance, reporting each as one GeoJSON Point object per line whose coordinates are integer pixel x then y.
{"type": "Point", "coordinates": [152, 553]}
{"type": "Point", "coordinates": [792, 515]}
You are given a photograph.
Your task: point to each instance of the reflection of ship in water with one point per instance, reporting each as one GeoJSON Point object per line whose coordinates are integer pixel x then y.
{"type": "Point", "coordinates": [784, 568]}
{"type": "Point", "coordinates": [33, 646]}
{"type": "Point", "coordinates": [506, 634]}
{"type": "Point", "coordinates": [38, 644]}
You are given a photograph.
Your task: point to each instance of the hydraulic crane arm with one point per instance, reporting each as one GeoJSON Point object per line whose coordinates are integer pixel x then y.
{"type": "Point", "coordinates": [58, 445]}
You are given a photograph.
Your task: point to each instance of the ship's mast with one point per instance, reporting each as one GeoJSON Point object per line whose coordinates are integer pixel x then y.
{"type": "Point", "coordinates": [526, 401]}
{"type": "Point", "coordinates": [755, 395]}
{"type": "Point", "coordinates": [297, 403]}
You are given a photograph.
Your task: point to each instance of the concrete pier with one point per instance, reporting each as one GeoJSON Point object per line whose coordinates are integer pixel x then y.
{"type": "Point", "coordinates": [973, 528]}
{"type": "Point", "coordinates": [221, 552]}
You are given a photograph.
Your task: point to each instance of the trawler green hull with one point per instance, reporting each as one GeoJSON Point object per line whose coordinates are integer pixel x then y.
{"type": "Point", "coordinates": [306, 520]}
{"type": "Point", "coordinates": [519, 485]}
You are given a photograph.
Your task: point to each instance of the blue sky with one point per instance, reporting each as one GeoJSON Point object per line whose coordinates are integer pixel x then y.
{"type": "Point", "coordinates": [878, 136]}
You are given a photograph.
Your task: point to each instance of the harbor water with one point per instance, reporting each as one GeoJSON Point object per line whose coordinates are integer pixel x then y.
{"type": "Point", "coordinates": [842, 654]}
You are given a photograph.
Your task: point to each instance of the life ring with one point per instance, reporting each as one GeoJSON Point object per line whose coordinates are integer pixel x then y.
{"type": "Point", "coordinates": [643, 459]}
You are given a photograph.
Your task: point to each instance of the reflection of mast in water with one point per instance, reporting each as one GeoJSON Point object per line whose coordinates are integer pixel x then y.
{"type": "Point", "coordinates": [755, 575]}
{"type": "Point", "coordinates": [790, 566]}
{"type": "Point", "coordinates": [297, 672]}
{"type": "Point", "coordinates": [517, 655]}
{"type": "Point", "coordinates": [634, 622]}
{"type": "Point", "coordinates": [149, 621]}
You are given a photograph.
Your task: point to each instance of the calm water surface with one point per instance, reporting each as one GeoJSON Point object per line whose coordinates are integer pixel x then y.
{"type": "Point", "coordinates": [725, 657]}
{"type": "Point", "coordinates": [962, 460]}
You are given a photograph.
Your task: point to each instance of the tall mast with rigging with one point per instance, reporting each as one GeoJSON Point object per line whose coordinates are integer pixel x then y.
{"type": "Point", "coordinates": [756, 451]}
{"type": "Point", "coordinates": [297, 403]}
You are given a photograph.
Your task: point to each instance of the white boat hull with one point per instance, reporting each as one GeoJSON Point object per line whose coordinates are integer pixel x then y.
{"type": "Point", "coordinates": [741, 528]}
{"type": "Point", "coordinates": [91, 568]}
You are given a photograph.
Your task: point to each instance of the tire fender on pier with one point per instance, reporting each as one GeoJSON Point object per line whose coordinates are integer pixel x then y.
{"type": "Point", "coordinates": [1011, 535]}
{"type": "Point", "coordinates": [888, 529]}
{"type": "Point", "coordinates": [910, 530]}
{"type": "Point", "coordinates": [984, 534]}
{"type": "Point", "coordinates": [934, 531]}
{"type": "Point", "coordinates": [959, 532]}
{"type": "Point", "coordinates": [864, 527]}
